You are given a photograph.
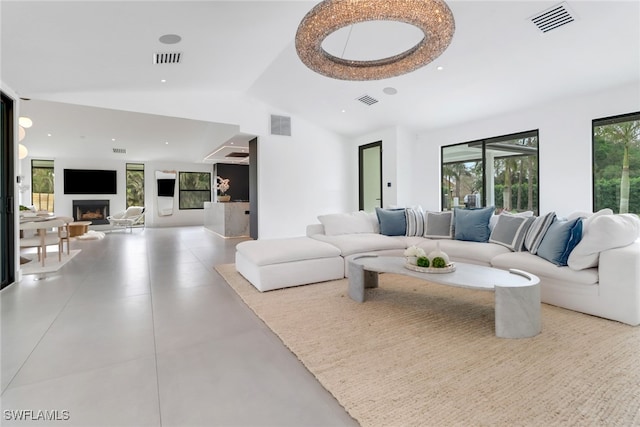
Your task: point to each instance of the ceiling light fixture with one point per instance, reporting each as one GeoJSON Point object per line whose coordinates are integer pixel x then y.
{"type": "Point", "coordinates": [433, 17]}
{"type": "Point", "coordinates": [22, 151]}
{"type": "Point", "coordinates": [25, 122]}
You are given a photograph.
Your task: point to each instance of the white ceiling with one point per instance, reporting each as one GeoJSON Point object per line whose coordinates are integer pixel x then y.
{"type": "Point", "coordinates": [497, 62]}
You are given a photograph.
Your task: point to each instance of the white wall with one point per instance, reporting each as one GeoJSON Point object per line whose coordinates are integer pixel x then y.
{"type": "Point", "coordinates": [179, 217]}
{"type": "Point", "coordinates": [117, 202]}
{"type": "Point", "coordinates": [397, 167]}
{"type": "Point", "coordinates": [565, 146]}
{"type": "Point", "coordinates": [301, 177]}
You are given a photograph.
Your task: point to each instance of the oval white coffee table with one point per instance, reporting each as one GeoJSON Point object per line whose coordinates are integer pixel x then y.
{"type": "Point", "coordinates": [517, 293]}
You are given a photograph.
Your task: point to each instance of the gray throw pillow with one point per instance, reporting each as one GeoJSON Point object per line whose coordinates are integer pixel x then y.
{"type": "Point", "coordinates": [510, 231]}
{"type": "Point", "coordinates": [438, 225]}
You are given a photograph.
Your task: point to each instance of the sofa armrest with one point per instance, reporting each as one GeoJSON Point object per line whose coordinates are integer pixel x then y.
{"type": "Point", "coordinates": [619, 277]}
{"type": "Point", "coordinates": [313, 229]}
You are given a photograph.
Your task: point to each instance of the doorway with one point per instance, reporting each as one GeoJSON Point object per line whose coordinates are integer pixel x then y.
{"type": "Point", "coordinates": [7, 216]}
{"type": "Point", "coordinates": [370, 176]}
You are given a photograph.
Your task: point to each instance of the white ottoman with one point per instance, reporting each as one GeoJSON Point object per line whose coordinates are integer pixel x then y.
{"type": "Point", "coordinates": [281, 263]}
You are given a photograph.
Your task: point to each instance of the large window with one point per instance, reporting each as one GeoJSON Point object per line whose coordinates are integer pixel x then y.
{"type": "Point", "coordinates": [500, 172]}
{"type": "Point", "coordinates": [135, 184]}
{"type": "Point", "coordinates": [42, 185]}
{"type": "Point", "coordinates": [195, 189]}
{"type": "Point", "coordinates": [616, 163]}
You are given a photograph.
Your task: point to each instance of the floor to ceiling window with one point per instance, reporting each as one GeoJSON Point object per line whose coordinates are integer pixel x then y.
{"type": "Point", "coordinates": [616, 163]}
{"type": "Point", "coordinates": [500, 172]}
{"type": "Point", "coordinates": [135, 185]}
{"type": "Point", "coordinates": [42, 185]}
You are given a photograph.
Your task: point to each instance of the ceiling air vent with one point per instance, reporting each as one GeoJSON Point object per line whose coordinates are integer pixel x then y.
{"type": "Point", "coordinates": [120, 150]}
{"type": "Point", "coordinates": [167, 58]}
{"type": "Point", "coordinates": [366, 99]}
{"type": "Point", "coordinates": [280, 125]}
{"type": "Point", "coordinates": [554, 17]}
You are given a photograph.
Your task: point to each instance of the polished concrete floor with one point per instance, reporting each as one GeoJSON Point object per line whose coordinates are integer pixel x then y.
{"type": "Point", "coordinates": [139, 329]}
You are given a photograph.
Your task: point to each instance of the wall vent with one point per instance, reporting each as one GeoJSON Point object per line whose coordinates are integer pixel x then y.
{"type": "Point", "coordinates": [553, 18]}
{"type": "Point", "coordinates": [120, 150]}
{"type": "Point", "coordinates": [280, 125]}
{"type": "Point", "coordinates": [367, 99]}
{"type": "Point", "coordinates": [167, 58]}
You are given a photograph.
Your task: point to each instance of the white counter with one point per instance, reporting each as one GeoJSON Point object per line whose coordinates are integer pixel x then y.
{"type": "Point", "coordinates": [229, 219]}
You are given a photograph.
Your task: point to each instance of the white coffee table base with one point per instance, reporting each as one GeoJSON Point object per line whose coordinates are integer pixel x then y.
{"type": "Point", "coordinates": [517, 293]}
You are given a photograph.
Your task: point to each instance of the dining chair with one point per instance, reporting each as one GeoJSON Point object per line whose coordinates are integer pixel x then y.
{"type": "Point", "coordinates": [63, 231]}
{"type": "Point", "coordinates": [41, 239]}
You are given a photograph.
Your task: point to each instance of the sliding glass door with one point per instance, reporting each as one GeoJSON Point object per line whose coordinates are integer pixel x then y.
{"type": "Point", "coordinates": [7, 216]}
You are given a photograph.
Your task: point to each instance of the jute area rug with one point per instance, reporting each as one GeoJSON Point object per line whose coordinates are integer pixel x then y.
{"type": "Point", "coordinates": [421, 354]}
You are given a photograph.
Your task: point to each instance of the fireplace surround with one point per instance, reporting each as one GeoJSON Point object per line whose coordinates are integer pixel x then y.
{"type": "Point", "coordinates": [95, 211]}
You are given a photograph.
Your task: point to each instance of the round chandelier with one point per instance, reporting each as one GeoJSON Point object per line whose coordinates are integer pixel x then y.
{"type": "Point", "coordinates": [433, 17]}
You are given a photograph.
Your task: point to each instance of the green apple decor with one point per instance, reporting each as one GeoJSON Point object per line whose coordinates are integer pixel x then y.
{"type": "Point", "coordinates": [423, 262]}
{"type": "Point", "coordinates": [438, 262]}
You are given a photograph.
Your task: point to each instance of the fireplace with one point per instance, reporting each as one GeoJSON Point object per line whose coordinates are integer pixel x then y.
{"type": "Point", "coordinates": [95, 211]}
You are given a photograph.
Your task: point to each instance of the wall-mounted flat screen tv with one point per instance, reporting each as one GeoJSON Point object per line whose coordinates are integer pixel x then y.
{"type": "Point", "coordinates": [90, 181]}
{"type": "Point", "coordinates": [166, 187]}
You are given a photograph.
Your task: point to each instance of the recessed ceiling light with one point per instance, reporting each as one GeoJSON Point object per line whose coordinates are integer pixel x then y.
{"type": "Point", "coordinates": [48, 134]}
{"type": "Point", "coordinates": [390, 90]}
{"type": "Point", "coordinates": [163, 81]}
{"type": "Point", "coordinates": [439, 68]}
{"type": "Point", "coordinates": [166, 143]}
{"type": "Point", "coordinates": [344, 111]}
{"type": "Point", "coordinates": [113, 139]}
{"type": "Point", "coordinates": [170, 39]}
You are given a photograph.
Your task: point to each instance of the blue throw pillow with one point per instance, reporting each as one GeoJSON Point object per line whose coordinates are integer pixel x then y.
{"type": "Point", "coordinates": [473, 224]}
{"type": "Point", "coordinates": [392, 222]}
{"type": "Point", "coordinates": [559, 241]}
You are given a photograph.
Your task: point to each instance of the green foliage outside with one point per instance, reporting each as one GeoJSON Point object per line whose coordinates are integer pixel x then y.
{"type": "Point", "coordinates": [42, 185]}
{"type": "Point", "coordinates": [616, 166]}
{"type": "Point", "coordinates": [523, 190]}
{"type": "Point", "coordinates": [194, 189]}
{"type": "Point", "coordinates": [135, 188]}
{"type": "Point", "coordinates": [607, 194]}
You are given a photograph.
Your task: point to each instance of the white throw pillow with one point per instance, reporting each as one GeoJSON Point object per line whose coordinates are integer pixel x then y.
{"type": "Point", "coordinates": [587, 215]}
{"type": "Point", "coordinates": [603, 232]}
{"type": "Point", "coordinates": [347, 223]}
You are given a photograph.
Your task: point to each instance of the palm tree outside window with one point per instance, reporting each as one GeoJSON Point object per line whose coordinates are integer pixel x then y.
{"type": "Point", "coordinates": [616, 163]}
{"type": "Point", "coordinates": [42, 185]}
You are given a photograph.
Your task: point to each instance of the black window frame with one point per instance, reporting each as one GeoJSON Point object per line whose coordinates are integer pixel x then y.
{"type": "Point", "coordinates": [620, 118]}
{"type": "Point", "coordinates": [182, 191]}
{"type": "Point", "coordinates": [482, 143]}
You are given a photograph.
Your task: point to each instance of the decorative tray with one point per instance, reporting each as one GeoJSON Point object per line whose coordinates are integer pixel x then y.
{"type": "Point", "coordinates": [451, 267]}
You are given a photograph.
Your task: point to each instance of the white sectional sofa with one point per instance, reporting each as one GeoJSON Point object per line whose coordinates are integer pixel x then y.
{"type": "Point", "coordinates": [602, 277]}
